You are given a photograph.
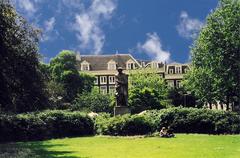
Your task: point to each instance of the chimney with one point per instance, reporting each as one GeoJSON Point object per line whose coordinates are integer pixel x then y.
{"type": "Point", "coordinates": [78, 56]}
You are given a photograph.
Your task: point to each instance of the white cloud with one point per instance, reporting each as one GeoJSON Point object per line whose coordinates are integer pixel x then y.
{"type": "Point", "coordinates": [49, 24]}
{"type": "Point", "coordinates": [153, 48]}
{"type": "Point", "coordinates": [88, 24]}
{"type": "Point", "coordinates": [188, 27]}
{"type": "Point", "coordinates": [48, 30]}
{"type": "Point", "coordinates": [27, 5]}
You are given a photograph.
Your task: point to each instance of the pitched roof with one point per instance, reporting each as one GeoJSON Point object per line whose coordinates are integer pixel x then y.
{"type": "Point", "coordinates": [100, 62]}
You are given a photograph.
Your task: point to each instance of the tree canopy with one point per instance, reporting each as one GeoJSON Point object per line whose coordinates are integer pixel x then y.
{"type": "Point", "coordinates": [22, 87]}
{"type": "Point", "coordinates": [215, 74]}
{"type": "Point", "coordinates": [147, 90]}
{"type": "Point", "coordinates": [63, 70]}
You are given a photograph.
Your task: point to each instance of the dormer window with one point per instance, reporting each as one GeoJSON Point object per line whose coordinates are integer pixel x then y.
{"type": "Point", "coordinates": [178, 69]}
{"type": "Point", "coordinates": [85, 66]}
{"type": "Point", "coordinates": [186, 70]}
{"type": "Point", "coordinates": [170, 71]}
{"type": "Point", "coordinates": [156, 65]}
{"type": "Point", "coordinates": [130, 64]}
{"type": "Point", "coordinates": [112, 65]}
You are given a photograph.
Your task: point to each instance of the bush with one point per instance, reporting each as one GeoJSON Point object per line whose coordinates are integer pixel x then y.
{"type": "Point", "coordinates": [43, 125]}
{"type": "Point", "coordinates": [192, 120]}
{"type": "Point", "coordinates": [123, 125]}
{"type": "Point", "coordinates": [181, 120]}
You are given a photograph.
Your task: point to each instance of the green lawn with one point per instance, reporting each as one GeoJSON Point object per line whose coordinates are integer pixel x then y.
{"type": "Point", "coordinates": [183, 146]}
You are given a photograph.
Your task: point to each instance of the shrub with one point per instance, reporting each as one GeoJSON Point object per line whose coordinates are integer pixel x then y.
{"type": "Point", "coordinates": [123, 125]}
{"type": "Point", "coordinates": [192, 120]}
{"type": "Point", "coordinates": [181, 120]}
{"type": "Point", "coordinates": [43, 125]}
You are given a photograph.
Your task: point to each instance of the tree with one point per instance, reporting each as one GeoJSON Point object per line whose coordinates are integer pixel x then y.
{"type": "Point", "coordinates": [22, 87]}
{"type": "Point", "coordinates": [144, 99]}
{"type": "Point", "coordinates": [149, 78]}
{"type": "Point", "coordinates": [147, 90]}
{"type": "Point", "coordinates": [63, 70]}
{"type": "Point", "coordinates": [94, 101]}
{"type": "Point", "coordinates": [215, 74]}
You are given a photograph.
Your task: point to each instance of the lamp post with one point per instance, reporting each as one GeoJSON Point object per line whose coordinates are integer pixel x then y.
{"type": "Point", "coordinates": [185, 94]}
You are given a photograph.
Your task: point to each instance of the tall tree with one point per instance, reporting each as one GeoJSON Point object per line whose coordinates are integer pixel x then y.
{"type": "Point", "coordinates": [215, 70]}
{"type": "Point", "coordinates": [22, 87]}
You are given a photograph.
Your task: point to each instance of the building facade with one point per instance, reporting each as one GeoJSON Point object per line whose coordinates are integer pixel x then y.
{"type": "Point", "coordinates": [104, 68]}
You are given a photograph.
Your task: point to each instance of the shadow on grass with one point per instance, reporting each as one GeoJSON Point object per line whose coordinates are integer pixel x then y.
{"type": "Point", "coordinates": [33, 150]}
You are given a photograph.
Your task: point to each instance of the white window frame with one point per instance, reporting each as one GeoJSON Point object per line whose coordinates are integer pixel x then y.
{"type": "Point", "coordinates": [178, 84]}
{"type": "Point", "coordinates": [103, 79]}
{"type": "Point", "coordinates": [103, 89]}
{"type": "Point", "coordinates": [112, 65]}
{"type": "Point", "coordinates": [186, 70]}
{"type": "Point", "coordinates": [170, 83]}
{"type": "Point", "coordinates": [178, 70]}
{"type": "Point", "coordinates": [111, 79]}
{"type": "Point", "coordinates": [96, 80]}
{"type": "Point", "coordinates": [112, 90]}
{"type": "Point", "coordinates": [85, 66]}
{"type": "Point", "coordinates": [130, 65]}
{"type": "Point", "coordinates": [171, 71]}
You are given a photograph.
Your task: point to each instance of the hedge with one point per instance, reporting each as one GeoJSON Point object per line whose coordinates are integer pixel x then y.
{"type": "Point", "coordinates": [60, 123]}
{"type": "Point", "coordinates": [123, 125]}
{"type": "Point", "coordinates": [181, 120]}
{"type": "Point", "coordinates": [44, 125]}
{"type": "Point", "coordinates": [192, 120]}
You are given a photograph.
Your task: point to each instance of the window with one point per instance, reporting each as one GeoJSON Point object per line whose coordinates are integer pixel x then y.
{"type": "Point", "coordinates": [103, 89]}
{"type": "Point", "coordinates": [96, 80]}
{"type": "Point", "coordinates": [85, 66]}
{"type": "Point", "coordinates": [178, 84]}
{"type": "Point", "coordinates": [112, 90]}
{"type": "Point", "coordinates": [103, 79]}
{"type": "Point", "coordinates": [171, 83]}
{"type": "Point", "coordinates": [178, 69]}
{"type": "Point", "coordinates": [130, 64]}
{"type": "Point", "coordinates": [112, 79]}
{"type": "Point", "coordinates": [170, 71]}
{"type": "Point", "coordinates": [112, 65]}
{"type": "Point", "coordinates": [186, 70]}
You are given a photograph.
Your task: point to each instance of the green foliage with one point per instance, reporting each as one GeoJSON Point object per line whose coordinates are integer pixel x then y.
{"type": "Point", "coordinates": [181, 120]}
{"type": "Point", "coordinates": [144, 99]}
{"type": "Point", "coordinates": [192, 120]}
{"type": "Point", "coordinates": [148, 78]}
{"type": "Point", "coordinates": [63, 71]}
{"type": "Point", "coordinates": [123, 125]}
{"type": "Point", "coordinates": [94, 101]}
{"type": "Point", "coordinates": [216, 60]}
{"type": "Point", "coordinates": [180, 97]}
{"type": "Point", "coordinates": [147, 90]}
{"type": "Point", "coordinates": [22, 87]}
{"type": "Point", "coordinates": [44, 125]}
{"type": "Point", "coordinates": [87, 82]}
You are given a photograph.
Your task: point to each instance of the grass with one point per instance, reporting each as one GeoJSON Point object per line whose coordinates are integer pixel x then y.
{"type": "Point", "coordinates": [183, 146]}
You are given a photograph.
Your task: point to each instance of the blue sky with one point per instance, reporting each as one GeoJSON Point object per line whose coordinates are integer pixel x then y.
{"type": "Point", "coordinates": [148, 29]}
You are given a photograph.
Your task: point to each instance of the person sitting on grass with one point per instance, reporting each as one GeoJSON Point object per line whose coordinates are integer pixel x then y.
{"type": "Point", "coordinates": [166, 133]}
